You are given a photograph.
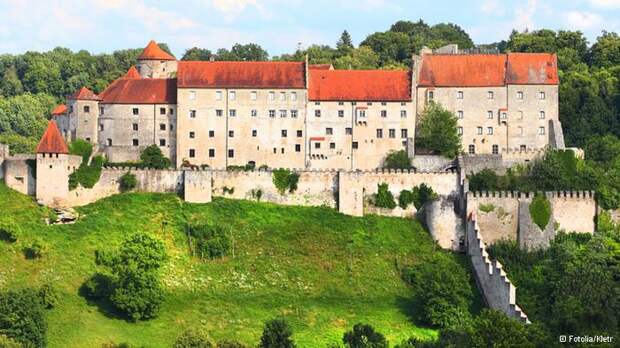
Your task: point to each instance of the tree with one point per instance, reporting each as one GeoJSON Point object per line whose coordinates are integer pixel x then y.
{"type": "Point", "coordinates": [390, 46]}
{"type": "Point", "coordinates": [397, 160]}
{"type": "Point", "coordinates": [191, 338]}
{"type": "Point", "coordinates": [344, 44]}
{"type": "Point", "coordinates": [276, 334]}
{"type": "Point", "coordinates": [360, 58]}
{"type": "Point", "coordinates": [239, 52]}
{"type": "Point", "coordinates": [152, 157]}
{"type": "Point", "coordinates": [437, 131]}
{"type": "Point", "coordinates": [606, 51]}
{"type": "Point", "coordinates": [22, 318]}
{"type": "Point", "coordinates": [197, 54]}
{"type": "Point", "coordinates": [364, 336]}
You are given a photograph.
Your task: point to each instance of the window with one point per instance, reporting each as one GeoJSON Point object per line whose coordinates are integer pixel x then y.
{"type": "Point", "coordinates": [135, 126]}
{"type": "Point", "coordinates": [460, 114]}
{"type": "Point", "coordinates": [495, 149]}
{"type": "Point", "coordinates": [355, 145]}
{"type": "Point", "coordinates": [231, 133]}
{"type": "Point", "coordinates": [171, 111]}
{"type": "Point", "coordinates": [192, 135]}
{"type": "Point", "coordinates": [294, 113]}
{"type": "Point", "coordinates": [192, 95]}
{"type": "Point", "coordinates": [490, 130]}
{"type": "Point", "coordinates": [379, 133]}
{"type": "Point", "coordinates": [383, 113]}
{"type": "Point", "coordinates": [332, 145]}
{"type": "Point", "coordinates": [541, 115]}
{"type": "Point", "coordinates": [340, 113]}
{"type": "Point", "coordinates": [86, 109]}
{"type": "Point", "coordinates": [340, 103]}
{"type": "Point", "coordinates": [211, 153]}
{"type": "Point", "coordinates": [162, 142]}
{"type": "Point", "coordinates": [300, 133]}
{"type": "Point", "coordinates": [282, 113]}
{"type": "Point", "coordinates": [317, 103]}
{"type": "Point", "coordinates": [297, 148]}
{"type": "Point", "coordinates": [254, 113]}
{"type": "Point", "coordinates": [135, 111]}
{"type": "Point", "coordinates": [392, 133]}
{"type": "Point", "coordinates": [503, 115]}
{"type": "Point", "coordinates": [284, 133]}
{"type": "Point", "coordinates": [459, 95]}
{"type": "Point", "coordinates": [171, 127]}
{"type": "Point", "coordinates": [275, 150]}
{"type": "Point", "coordinates": [520, 130]}
{"type": "Point", "coordinates": [403, 113]}
{"type": "Point", "coordinates": [282, 96]}
{"type": "Point", "coordinates": [272, 113]}
{"type": "Point", "coordinates": [369, 103]}
{"type": "Point", "coordinates": [403, 133]}
{"type": "Point", "coordinates": [109, 142]}
{"type": "Point", "coordinates": [192, 114]}
{"type": "Point", "coordinates": [162, 111]}
{"type": "Point", "coordinates": [162, 126]}
{"type": "Point", "coordinates": [520, 95]}
{"type": "Point", "coordinates": [218, 95]}
{"type": "Point", "coordinates": [253, 95]}
{"type": "Point", "coordinates": [460, 130]}
{"type": "Point", "coordinates": [317, 113]}
{"type": "Point", "coordinates": [361, 113]}
{"type": "Point", "coordinates": [192, 153]}
{"type": "Point", "coordinates": [383, 103]}
{"type": "Point", "coordinates": [272, 96]}
{"type": "Point", "coordinates": [282, 150]}
{"type": "Point", "coordinates": [232, 95]}
{"type": "Point", "coordinates": [523, 147]}
{"type": "Point", "coordinates": [479, 130]}
{"type": "Point", "coordinates": [231, 153]}
{"type": "Point", "coordinates": [219, 113]}
{"type": "Point", "coordinates": [472, 149]}
{"type": "Point", "coordinates": [232, 112]}
{"type": "Point", "coordinates": [542, 95]}
{"type": "Point", "coordinates": [101, 110]}
{"type": "Point", "coordinates": [348, 131]}
{"type": "Point", "coordinates": [541, 130]}
{"type": "Point", "coordinates": [293, 96]}
{"type": "Point", "coordinates": [100, 128]}
{"type": "Point", "coordinates": [329, 131]}
{"type": "Point", "coordinates": [490, 95]}
{"type": "Point", "coordinates": [134, 142]}
{"type": "Point", "coordinates": [254, 133]}
{"type": "Point", "coordinates": [431, 95]}
{"type": "Point", "coordinates": [490, 114]}
{"type": "Point", "coordinates": [520, 115]}
{"type": "Point", "coordinates": [211, 134]}
{"type": "Point", "coordinates": [317, 145]}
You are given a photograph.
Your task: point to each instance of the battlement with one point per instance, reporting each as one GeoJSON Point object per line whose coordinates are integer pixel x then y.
{"type": "Point", "coordinates": [529, 195]}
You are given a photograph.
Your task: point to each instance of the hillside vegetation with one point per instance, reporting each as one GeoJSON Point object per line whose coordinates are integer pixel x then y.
{"type": "Point", "coordinates": [320, 270]}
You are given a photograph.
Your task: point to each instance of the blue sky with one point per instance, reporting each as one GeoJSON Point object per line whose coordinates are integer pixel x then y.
{"type": "Point", "coordinates": [277, 25]}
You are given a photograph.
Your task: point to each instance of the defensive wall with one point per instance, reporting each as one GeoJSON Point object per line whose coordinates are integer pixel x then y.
{"type": "Point", "coordinates": [498, 291]}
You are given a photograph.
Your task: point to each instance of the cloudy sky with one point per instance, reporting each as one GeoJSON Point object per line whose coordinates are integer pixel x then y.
{"type": "Point", "coordinates": [277, 25]}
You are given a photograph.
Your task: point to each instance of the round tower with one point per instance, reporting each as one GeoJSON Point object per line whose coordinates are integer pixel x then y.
{"type": "Point", "coordinates": [156, 63]}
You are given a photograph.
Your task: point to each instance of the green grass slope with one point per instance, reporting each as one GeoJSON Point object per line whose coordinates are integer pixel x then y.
{"type": "Point", "coordinates": [320, 270]}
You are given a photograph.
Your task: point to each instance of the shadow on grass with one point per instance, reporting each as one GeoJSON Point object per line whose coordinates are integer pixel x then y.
{"type": "Point", "coordinates": [412, 309]}
{"type": "Point", "coordinates": [96, 291]}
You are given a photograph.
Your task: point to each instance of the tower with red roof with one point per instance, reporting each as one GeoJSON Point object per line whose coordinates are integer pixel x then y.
{"type": "Point", "coordinates": [82, 116]}
{"type": "Point", "coordinates": [154, 62]}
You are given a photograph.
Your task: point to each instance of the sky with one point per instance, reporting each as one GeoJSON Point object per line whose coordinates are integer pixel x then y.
{"type": "Point", "coordinates": [279, 26]}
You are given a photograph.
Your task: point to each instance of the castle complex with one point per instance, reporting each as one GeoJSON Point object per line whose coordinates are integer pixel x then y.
{"type": "Point", "coordinates": [297, 115]}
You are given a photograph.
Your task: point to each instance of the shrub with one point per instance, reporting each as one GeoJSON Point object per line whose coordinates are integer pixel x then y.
{"type": "Point", "coordinates": [9, 231]}
{"type": "Point", "coordinates": [285, 180]}
{"type": "Point", "coordinates": [263, 167]}
{"type": "Point", "coordinates": [81, 148]}
{"type": "Point", "coordinates": [152, 157]}
{"type": "Point", "coordinates": [540, 210]}
{"type": "Point", "coordinates": [397, 160]}
{"type": "Point", "coordinates": [191, 338]}
{"type": "Point", "coordinates": [230, 344]}
{"type": "Point", "coordinates": [210, 241]}
{"type": "Point", "coordinates": [437, 131]}
{"type": "Point", "coordinates": [22, 318]}
{"type": "Point", "coordinates": [405, 198]}
{"type": "Point", "coordinates": [6, 342]}
{"type": "Point", "coordinates": [48, 295]}
{"type": "Point", "coordinates": [364, 336]}
{"type": "Point", "coordinates": [87, 175]}
{"type": "Point", "coordinates": [384, 198]}
{"type": "Point", "coordinates": [256, 194]}
{"type": "Point", "coordinates": [35, 249]}
{"type": "Point", "coordinates": [276, 334]}
{"type": "Point", "coordinates": [128, 182]}
{"type": "Point", "coordinates": [486, 208]}
{"type": "Point", "coordinates": [422, 194]}
{"type": "Point", "coordinates": [228, 190]}
{"type": "Point", "coordinates": [97, 287]}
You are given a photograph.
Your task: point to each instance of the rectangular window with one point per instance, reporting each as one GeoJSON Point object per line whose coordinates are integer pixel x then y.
{"type": "Point", "coordinates": [101, 110]}
{"type": "Point", "coordinates": [282, 113]}
{"type": "Point", "coordinates": [231, 133]}
{"type": "Point", "coordinates": [503, 115]}
{"type": "Point", "coordinates": [211, 134]}
{"type": "Point", "coordinates": [272, 96]}
{"type": "Point", "coordinates": [383, 103]}
{"type": "Point", "coordinates": [254, 113]}
{"type": "Point", "coordinates": [379, 133]}
{"type": "Point", "coordinates": [294, 113]}
{"type": "Point", "coordinates": [284, 133]}
{"type": "Point", "coordinates": [109, 142]}
{"type": "Point", "coordinates": [348, 131]}
{"type": "Point", "coordinates": [282, 96]}
{"type": "Point", "coordinates": [384, 113]}
{"type": "Point", "coordinates": [162, 111]}
{"type": "Point", "coordinates": [211, 153]}
{"type": "Point", "coordinates": [299, 133]}
{"type": "Point", "coordinates": [361, 113]}
{"type": "Point", "coordinates": [232, 112]}
{"type": "Point", "coordinates": [542, 95]}
{"type": "Point", "coordinates": [218, 95]}
{"type": "Point", "coordinates": [490, 130]}
{"type": "Point", "coordinates": [100, 128]}
{"type": "Point", "coordinates": [192, 114]}
{"type": "Point", "coordinates": [541, 115]}
{"type": "Point", "coordinates": [369, 103]}
{"type": "Point", "coordinates": [472, 149]}
{"type": "Point", "coordinates": [523, 147]}
{"type": "Point", "coordinates": [403, 133]}
{"type": "Point", "coordinates": [219, 113]}
{"type": "Point", "coordinates": [293, 96]}
{"type": "Point", "coordinates": [541, 130]}
{"type": "Point", "coordinates": [329, 131]}
{"type": "Point", "coordinates": [392, 133]}
{"type": "Point", "coordinates": [272, 113]}
{"type": "Point", "coordinates": [460, 130]}
{"type": "Point", "coordinates": [490, 114]}
{"type": "Point", "coordinates": [340, 103]}
{"type": "Point", "coordinates": [162, 126]}
{"type": "Point", "coordinates": [403, 113]}
{"type": "Point", "coordinates": [459, 95]}
{"type": "Point", "coordinates": [162, 142]}
{"type": "Point", "coordinates": [317, 113]}
{"type": "Point", "coordinates": [317, 145]}
{"type": "Point", "coordinates": [355, 145]}
{"type": "Point", "coordinates": [135, 111]}
{"type": "Point", "coordinates": [340, 113]}
{"type": "Point", "coordinates": [192, 135]}
{"type": "Point", "coordinates": [171, 111]}
{"type": "Point", "coordinates": [135, 142]}
{"type": "Point", "coordinates": [460, 114]}
{"type": "Point", "coordinates": [479, 130]}
{"type": "Point", "coordinates": [171, 127]}
{"type": "Point", "coordinates": [192, 95]}
{"type": "Point", "coordinates": [275, 150]}
{"type": "Point", "coordinates": [490, 95]}
{"type": "Point", "coordinates": [495, 149]}
{"type": "Point", "coordinates": [86, 109]}
{"type": "Point", "coordinates": [332, 145]}
{"type": "Point", "coordinates": [254, 133]}
{"type": "Point", "coordinates": [520, 95]}
{"type": "Point", "coordinates": [231, 153]}
{"type": "Point", "coordinates": [297, 148]}
{"type": "Point", "coordinates": [232, 95]}
{"type": "Point", "coordinates": [431, 95]}
{"type": "Point", "coordinates": [253, 95]}
{"type": "Point", "coordinates": [135, 126]}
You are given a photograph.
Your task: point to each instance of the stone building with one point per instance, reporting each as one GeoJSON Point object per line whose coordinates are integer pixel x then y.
{"type": "Point", "coordinates": [296, 115]}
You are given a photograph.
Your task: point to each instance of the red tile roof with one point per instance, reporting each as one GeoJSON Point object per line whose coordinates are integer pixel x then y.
{"type": "Point", "coordinates": [488, 70]}
{"type": "Point", "coordinates": [140, 91]}
{"type": "Point", "coordinates": [361, 85]}
{"type": "Point", "coordinates": [532, 69]}
{"type": "Point", "coordinates": [152, 51]}
{"type": "Point", "coordinates": [321, 67]}
{"type": "Point", "coordinates": [132, 73]}
{"type": "Point", "coordinates": [84, 94]}
{"type": "Point", "coordinates": [241, 74]}
{"type": "Point", "coordinates": [52, 141]}
{"type": "Point", "coordinates": [317, 138]}
{"type": "Point", "coordinates": [59, 110]}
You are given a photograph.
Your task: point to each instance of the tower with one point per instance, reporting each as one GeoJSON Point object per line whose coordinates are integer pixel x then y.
{"type": "Point", "coordinates": [83, 114]}
{"type": "Point", "coordinates": [156, 63]}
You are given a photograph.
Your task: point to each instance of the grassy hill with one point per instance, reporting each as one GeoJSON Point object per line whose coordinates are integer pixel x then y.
{"type": "Point", "coordinates": [320, 270]}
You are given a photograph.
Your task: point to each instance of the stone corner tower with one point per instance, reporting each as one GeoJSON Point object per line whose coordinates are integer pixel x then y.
{"type": "Point", "coordinates": [156, 63]}
{"type": "Point", "coordinates": [53, 167]}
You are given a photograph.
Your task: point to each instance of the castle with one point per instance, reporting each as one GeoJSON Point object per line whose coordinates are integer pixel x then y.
{"type": "Point", "coordinates": [299, 115]}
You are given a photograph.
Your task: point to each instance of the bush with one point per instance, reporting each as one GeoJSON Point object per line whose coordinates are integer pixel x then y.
{"type": "Point", "coordinates": [81, 148]}
{"type": "Point", "coordinates": [97, 287]}
{"type": "Point", "coordinates": [397, 160]}
{"type": "Point", "coordinates": [9, 231]}
{"type": "Point", "coordinates": [384, 198]}
{"type": "Point", "coordinates": [230, 344]}
{"type": "Point", "coordinates": [152, 157]}
{"type": "Point", "coordinates": [48, 295]}
{"type": "Point", "coordinates": [405, 198]}
{"type": "Point", "coordinates": [210, 241]}
{"type": "Point", "coordinates": [35, 249]}
{"type": "Point", "coordinates": [256, 194]}
{"type": "Point", "coordinates": [191, 338]}
{"type": "Point", "coordinates": [22, 318]}
{"type": "Point", "coordinates": [364, 336]}
{"type": "Point", "coordinates": [128, 182]}
{"type": "Point", "coordinates": [276, 334]}
{"type": "Point", "coordinates": [540, 210]}
{"type": "Point", "coordinates": [87, 175]}
{"type": "Point", "coordinates": [285, 180]}
{"type": "Point", "coordinates": [422, 194]}
{"type": "Point", "coordinates": [437, 131]}
{"type": "Point", "coordinates": [6, 342]}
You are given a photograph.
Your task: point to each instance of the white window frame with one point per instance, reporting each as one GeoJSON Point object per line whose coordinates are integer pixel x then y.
{"type": "Point", "coordinates": [479, 131]}
{"type": "Point", "coordinates": [294, 96]}
{"type": "Point", "coordinates": [542, 95]}
{"type": "Point", "coordinates": [403, 113]}
{"type": "Point", "coordinates": [294, 113]}
{"type": "Point", "coordinates": [254, 113]}
{"type": "Point", "coordinates": [490, 95]}
{"type": "Point", "coordinates": [232, 95]}
{"type": "Point", "coordinates": [459, 130]}
{"type": "Point", "coordinates": [253, 95]}
{"type": "Point", "coordinates": [489, 130]}
{"type": "Point", "coordinates": [541, 131]}
{"type": "Point", "coordinates": [520, 95]}
{"type": "Point", "coordinates": [460, 95]}
{"type": "Point", "coordinates": [272, 95]}
{"type": "Point", "coordinates": [460, 114]}
{"type": "Point", "coordinates": [218, 95]}
{"type": "Point", "coordinates": [192, 95]}
{"type": "Point", "coordinates": [541, 115]}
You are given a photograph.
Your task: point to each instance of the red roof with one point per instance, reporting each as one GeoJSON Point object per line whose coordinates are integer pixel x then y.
{"type": "Point", "coordinates": [140, 91]}
{"type": "Point", "coordinates": [132, 73]}
{"type": "Point", "coordinates": [488, 70]}
{"type": "Point", "coordinates": [321, 67]}
{"type": "Point", "coordinates": [532, 69]}
{"type": "Point", "coordinates": [59, 110]}
{"type": "Point", "coordinates": [52, 141]}
{"type": "Point", "coordinates": [317, 138]}
{"type": "Point", "coordinates": [84, 94]}
{"type": "Point", "coordinates": [360, 85]}
{"type": "Point", "coordinates": [152, 51]}
{"type": "Point", "coordinates": [241, 74]}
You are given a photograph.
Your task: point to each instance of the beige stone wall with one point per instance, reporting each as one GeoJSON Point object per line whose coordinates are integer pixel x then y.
{"type": "Point", "coordinates": [82, 120]}
{"type": "Point", "coordinates": [52, 183]}
{"type": "Point", "coordinates": [336, 150]}
{"type": "Point", "coordinates": [497, 214]}
{"type": "Point", "coordinates": [269, 145]}
{"type": "Point", "coordinates": [18, 173]}
{"type": "Point", "coordinates": [157, 69]}
{"type": "Point", "coordinates": [156, 124]}
{"type": "Point", "coordinates": [574, 211]}
{"type": "Point", "coordinates": [524, 119]}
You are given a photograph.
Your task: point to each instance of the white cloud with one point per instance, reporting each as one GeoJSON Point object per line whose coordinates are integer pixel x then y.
{"type": "Point", "coordinates": [605, 3]}
{"type": "Point", "coordinates": [493, 7]}
{"type": "Point", "coordinates": [151, 17]}
{"type": "Point", "coordinates": [583, 20]}
{"type": "Point", "coordinates": [524, 16]}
